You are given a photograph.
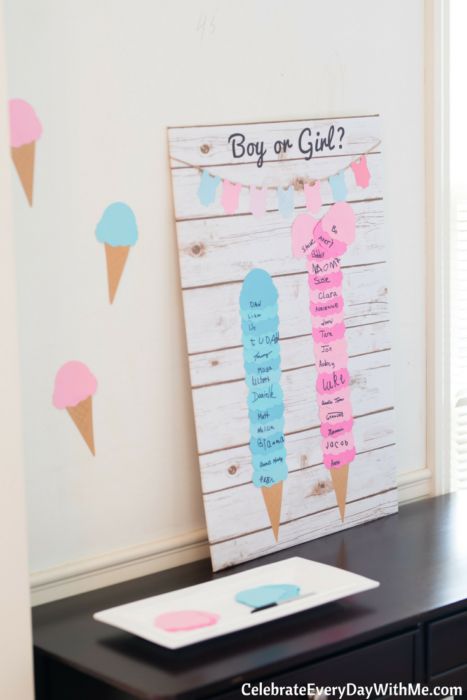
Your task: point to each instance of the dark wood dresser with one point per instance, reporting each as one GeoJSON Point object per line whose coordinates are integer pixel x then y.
{"type": "Point", "coordinates": [413, 628]}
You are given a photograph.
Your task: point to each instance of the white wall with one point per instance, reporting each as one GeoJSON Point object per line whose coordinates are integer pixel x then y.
{"type": "Point", "coordinates": [106, 78]}
{"type": "Point", "coordinates": [15, 628]}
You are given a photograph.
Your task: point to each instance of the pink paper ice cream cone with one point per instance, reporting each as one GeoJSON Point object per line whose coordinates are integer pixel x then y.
{"type": "Point", "coordinates": [74, 389]}
{"type": "Point", "coordinates": [25, 129]}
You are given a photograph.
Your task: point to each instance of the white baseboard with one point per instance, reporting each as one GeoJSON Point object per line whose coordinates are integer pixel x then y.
{"type": "Point", "coordinates": [415, 485]}
{"type": "Point", "coordinates": [88, 574]}
{"type": "Point", "coordinates": [114, 567]}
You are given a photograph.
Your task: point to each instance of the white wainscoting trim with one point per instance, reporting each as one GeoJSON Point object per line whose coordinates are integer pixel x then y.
{"type": "Point", "coordinates": [114, 567]}
{"type": "Point", "coordinates": [415, 485]}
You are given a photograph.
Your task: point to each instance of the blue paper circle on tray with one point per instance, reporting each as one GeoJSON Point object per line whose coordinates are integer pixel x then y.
{"type": "Point", "coordinates": [267, 595]}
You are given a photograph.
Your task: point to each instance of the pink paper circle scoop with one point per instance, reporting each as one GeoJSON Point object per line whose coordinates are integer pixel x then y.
{"type": "Point", "coordinates": [185, 620]}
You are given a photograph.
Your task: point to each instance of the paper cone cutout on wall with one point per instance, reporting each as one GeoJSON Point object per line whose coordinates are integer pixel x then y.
{"type": "Point", "coordinates": [81, 415]}
{"type": "Point", "coordinates": [25, 129]}
{"type": "Point", "coordinates": [340, 477]}
{"type": "Point", "coordinates": [23, 158]}
{"type": "Point", "coordinates": [116, 257]}
{"type": "Point", "coordinates": [117, 230]}
{"type": "Point", "coordinates": [273, 500]}
{"type": "Point", "coordinates": [74, 388]}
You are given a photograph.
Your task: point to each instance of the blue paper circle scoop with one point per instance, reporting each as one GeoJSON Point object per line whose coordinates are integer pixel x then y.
{"type": "Point", "coordinates": [267, 596]}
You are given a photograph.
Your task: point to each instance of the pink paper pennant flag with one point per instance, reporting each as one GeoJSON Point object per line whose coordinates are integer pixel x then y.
{"type": "Point", "coordinates": [230, 196]}
{"type": "Point", "coordinates": [313, 196]}
{"type": "Point", "coordinates": [361, 172]}
{"type": "Point", "coordinates": [258, 200]}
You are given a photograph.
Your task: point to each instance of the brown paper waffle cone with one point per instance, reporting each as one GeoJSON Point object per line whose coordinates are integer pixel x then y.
{"type": "Point", "coordinates": [23, 158]}
{"type": "Point", "coordinates": [81, 415]}
{"type": "Point", "coordinates": [273, 499]}
{"type": "Point", "coordinates": [116, 257]}
{"type": "Point", "coordinates": [339, 481]}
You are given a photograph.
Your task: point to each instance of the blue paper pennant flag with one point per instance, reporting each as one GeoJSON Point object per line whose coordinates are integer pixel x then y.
{"type": "Point", "coordinates": [338, 186]}
{"type": "Point", "coordinates": [285, 201]}
{"type": "Point", "coordinates": [207, 188]}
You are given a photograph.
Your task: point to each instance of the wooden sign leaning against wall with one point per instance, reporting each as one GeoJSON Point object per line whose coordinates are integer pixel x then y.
{"type": "Point", "coordinates": [291, 377]}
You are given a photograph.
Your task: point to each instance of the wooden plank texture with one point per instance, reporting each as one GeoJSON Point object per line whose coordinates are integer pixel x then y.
{"type": "Point", "coordinates": [216, 252]}
{"type": "Point", "coordinates": [215, 367]}
{"type": "Point", "coordinates": [306, 491]}
{"type": "Point", "coordinates": [325, 522]}
{"type": "Point", "coordinates": [189, 143]}
{"type": "Point", "coordinates": [229, 468]}
{"type": "Point", "coordinates": [222, 412]}
{"type": "Point", "coordinates": [186, 183]}
{"type": "Point", "coordinates": [216, 309]}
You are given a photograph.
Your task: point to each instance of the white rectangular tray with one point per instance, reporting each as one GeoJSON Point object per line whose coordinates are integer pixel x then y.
{"type": "Point", "coordinates": [325, 583]}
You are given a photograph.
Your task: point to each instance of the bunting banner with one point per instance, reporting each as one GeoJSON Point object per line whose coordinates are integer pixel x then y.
{"type": "Point", "coordinates": [210, 183]}
{"type": "Point", "coordinates": [282, 253]}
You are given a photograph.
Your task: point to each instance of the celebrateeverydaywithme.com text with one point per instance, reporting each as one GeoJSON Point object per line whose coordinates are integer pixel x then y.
{"type": "Point", "coordinates": [349, 690]}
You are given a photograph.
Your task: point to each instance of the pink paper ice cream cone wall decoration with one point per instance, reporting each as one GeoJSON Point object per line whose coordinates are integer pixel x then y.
{"type": "Point", "coordinates": [25, 130]}
{"type": "Point", "coordinates": [74, 389]}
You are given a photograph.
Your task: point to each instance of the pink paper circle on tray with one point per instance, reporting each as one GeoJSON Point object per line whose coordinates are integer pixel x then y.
{"type": "Point", "coordinates": [185, 620]}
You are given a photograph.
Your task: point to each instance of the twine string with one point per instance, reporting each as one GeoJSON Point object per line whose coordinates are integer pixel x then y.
{"type": "Point", "coordinates": [297, 182]}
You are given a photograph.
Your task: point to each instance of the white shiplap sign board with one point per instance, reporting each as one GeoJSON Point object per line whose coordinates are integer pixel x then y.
{"type": "Point", "coordinates": [216, 251]}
